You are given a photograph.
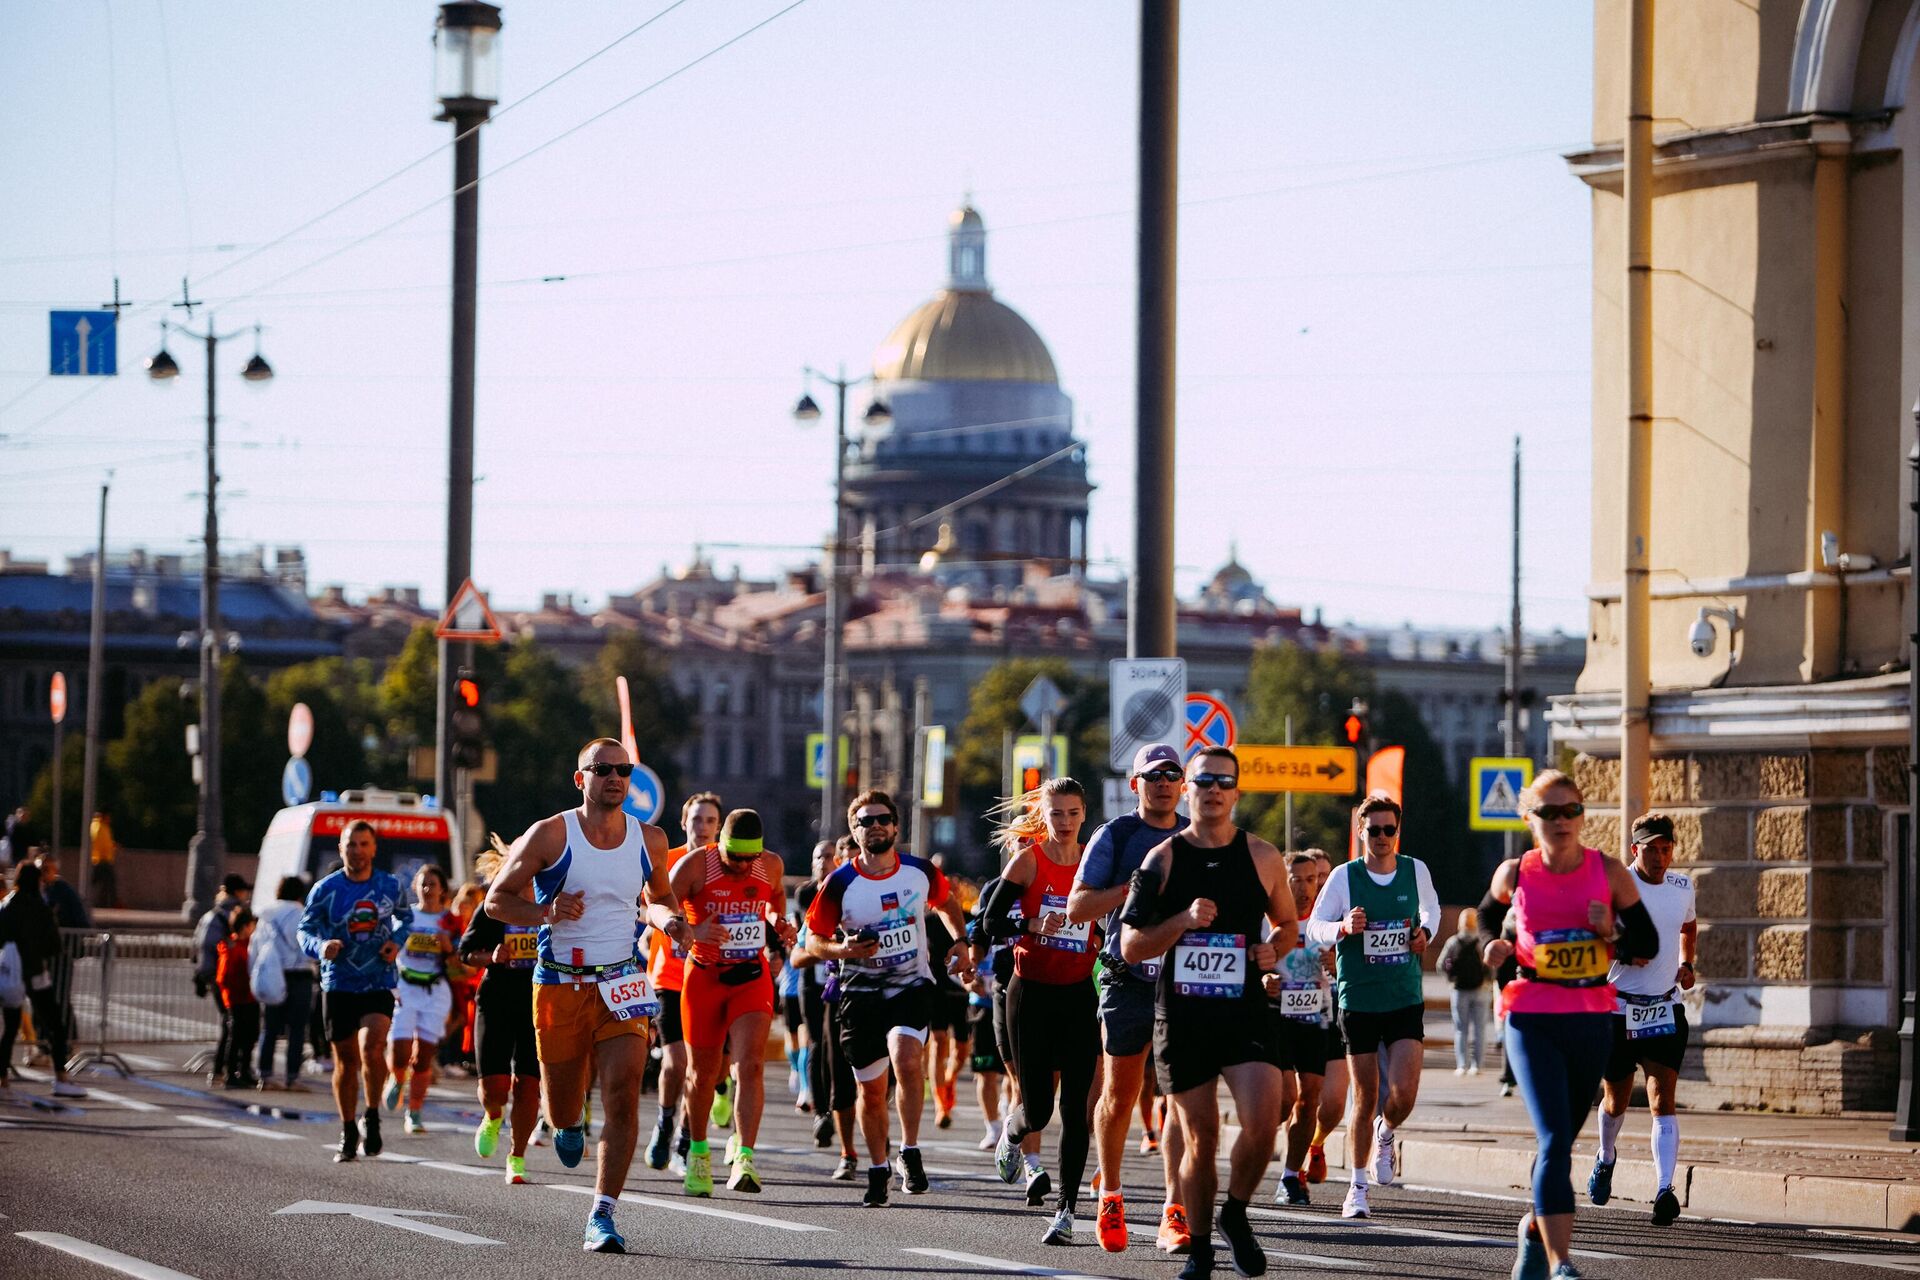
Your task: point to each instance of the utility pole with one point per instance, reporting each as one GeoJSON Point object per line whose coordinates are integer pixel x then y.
{"type": "Point", "coordinates": [1514, 745]}
{"type": "Point", "coordinates": [1151, 619]}
{"type": "Point", "coordinates": [207, 851]}
{"type": "Point", "coordinates": [1906, 1126]}
{"type": "Point", "coordinates": [96, 684]}
{"type": "Point", "coordinates": [922, 715]}
{"type": "Point", "coordinates": [1636, 695]}
{"type": "Point", "coordinates": [1289, 795]}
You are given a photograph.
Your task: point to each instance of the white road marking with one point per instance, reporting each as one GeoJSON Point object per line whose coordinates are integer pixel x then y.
{"type": "Point", "coordinates": [120, 1100]}
{"type": "Point", "coordinates": [1306, 1259]}
{"type": "Point", "coordinates": [405, 1219]}
{"type": "Point", "coordinates": [473, 1171]}
{"type": "Point", "coordinates": [1391, 1227]}
{"type": "Point", "coordinates": [247, 1129]}
{"type": "Point", "coordinates": [1001, 1264]}
{"type": "Point", "coordinates": [1908, 1262]}
{"type": "Point", "coordinates": [697, 1209]}
{"type": "Point", "coordinates": [100, 1255]}
{"type": "Point", "coordinates": [145, 1063]}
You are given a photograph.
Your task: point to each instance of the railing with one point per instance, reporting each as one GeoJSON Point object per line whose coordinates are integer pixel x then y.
{"type": "Point", "coordinates": [130, 986]}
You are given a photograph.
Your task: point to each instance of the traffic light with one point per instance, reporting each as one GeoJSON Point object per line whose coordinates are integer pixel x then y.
{"type": "Point", "coordinates": [1030, 779]}
{"type": "Point", "coordinates": [1355, 725]}
{"type": "Point", "coordinates": [467, 724]}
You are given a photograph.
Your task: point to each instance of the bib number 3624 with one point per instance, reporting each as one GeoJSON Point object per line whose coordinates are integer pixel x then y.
{"type": "Point", "coordinates": [1210, 965]}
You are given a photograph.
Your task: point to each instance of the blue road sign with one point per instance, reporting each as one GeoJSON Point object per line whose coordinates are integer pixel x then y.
{"type": "Point", "coordinates": [1495, 784]}
{"type": "Point", "coordinates": [83, 344]}
{"type": "Point", "coordinates": [296, 781]}
{"type": "Point", "coordinates": [645, 795]}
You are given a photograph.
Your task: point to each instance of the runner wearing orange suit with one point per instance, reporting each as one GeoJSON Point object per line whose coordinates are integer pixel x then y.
{"type": "Point", "coordinates": [700, 818]}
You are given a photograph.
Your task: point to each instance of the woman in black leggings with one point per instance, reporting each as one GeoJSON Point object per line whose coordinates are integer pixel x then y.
{"type": "Point", "coordinates": [1052, 1011]}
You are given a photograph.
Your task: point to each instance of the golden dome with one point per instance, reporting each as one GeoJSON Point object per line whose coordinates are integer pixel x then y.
{"type": "Point", "coordinates": [964, 335]}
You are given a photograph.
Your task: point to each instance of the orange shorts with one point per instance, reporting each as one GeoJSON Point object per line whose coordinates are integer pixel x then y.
{"type": "Point", "coordinates": [709, 1006]}
{"type": "Point", "coordinates": [568, 1020]}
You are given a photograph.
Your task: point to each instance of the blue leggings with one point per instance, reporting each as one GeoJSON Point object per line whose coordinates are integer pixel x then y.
{"type": "Point", "coordinates": [1558, 1059]}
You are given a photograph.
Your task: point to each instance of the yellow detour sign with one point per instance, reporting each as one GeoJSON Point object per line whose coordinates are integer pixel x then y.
{"type": "Point", "coordinates": [1494, 784]}
{"type": "Point", "coordinates": [1333, 771]}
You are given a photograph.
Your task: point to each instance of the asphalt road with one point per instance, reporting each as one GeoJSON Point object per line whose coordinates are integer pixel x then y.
{"type": "Point", "coordinates": [189, 1182]}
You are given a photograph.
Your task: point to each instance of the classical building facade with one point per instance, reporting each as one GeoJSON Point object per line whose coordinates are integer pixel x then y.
{"type": "Point", "coordinates": [1786, 361]}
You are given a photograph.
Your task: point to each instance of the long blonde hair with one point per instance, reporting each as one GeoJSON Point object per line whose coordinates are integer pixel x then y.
{"type": "Point", "coordinates": [1023, 818]}
{"type": "Point", "coordinates": [491, 859]}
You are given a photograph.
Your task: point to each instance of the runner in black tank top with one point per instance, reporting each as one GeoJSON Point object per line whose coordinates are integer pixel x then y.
{"type": "Point", "coordinates": [1198, 901]}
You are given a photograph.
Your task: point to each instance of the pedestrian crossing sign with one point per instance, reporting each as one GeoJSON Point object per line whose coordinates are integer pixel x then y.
{"type": "Point", "coordinates": [1494, 787]}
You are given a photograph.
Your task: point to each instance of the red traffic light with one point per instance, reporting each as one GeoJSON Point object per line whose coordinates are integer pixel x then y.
{"type": "Point", "coordinates": [1029, 779]}
{"type": "Point", "coordinates": [467, 690]}
{"type": "Point", "coordinates": [1355, 726]}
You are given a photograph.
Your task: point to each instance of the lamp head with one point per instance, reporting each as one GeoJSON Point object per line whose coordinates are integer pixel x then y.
{"type": "Point", "coordinates": [162, 367]}
{"type": "Point", "coordinates": [806, 410]}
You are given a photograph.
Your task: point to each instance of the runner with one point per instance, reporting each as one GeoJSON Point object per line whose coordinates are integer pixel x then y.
{"type": "Point", "coordinates": [1300, 995]}
{"type": "Point", "coordinates": [1566, 900]}
{"type": "Point", "coordinates": [591, 867]}
{"type": "Point", "coordinates": [700, 819]}
{"type": "Point", "coordinates": [1052, 1011]}
{"type": "Point", "coordinates": [1381, 912]}
{"type": "Point", "coordinates": [503, 1037]}
{"type": "Point", "coordinates": [733, 897]}
{"type": "Point", "coordinates": [1649, 1023]}
{"type": "Point", "coordinates": [423, 1001]}
{"type": "Point", "coordinates": [834, 1087]}
{"type": "Point", "coordinates": [356, 921]}
{"type": "Point", "coordinates": [1127, 993]}
{"type": "Point", "coordinates": [948, 1030]}
{"type": "Point", "coordinates": [998, 959]}
{"type": "Point", "coordinates": [1200, 899]}
{"type": "Point", "coordinates": [1333, 1088]}
{"type": "Point", "coordinates": [870, 916]}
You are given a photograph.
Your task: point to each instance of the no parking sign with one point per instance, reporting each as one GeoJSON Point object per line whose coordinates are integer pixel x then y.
{"type": "Point", "coordinates": [1209, 724]}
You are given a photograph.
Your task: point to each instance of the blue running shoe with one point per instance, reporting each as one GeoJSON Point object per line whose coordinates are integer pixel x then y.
{"type": "Point", "coordinates": [1531, 1261]}
{"type": "Point", "coordinates": [601, 1236]}
{"type": "Point", "coordinates": [1600, 1181]}
{"type": "Point", "coordinates": [662, 1145]}
{"type": "Point", "coordinates": [570, 1145]}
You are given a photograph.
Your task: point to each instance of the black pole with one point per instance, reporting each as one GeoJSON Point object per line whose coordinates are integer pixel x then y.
{"type": "Point", "coordinates": [207, 852]}
{"type": "Point", "coordinates": [1906, 1126]}
{"type": "Point", "coordinates": [1150, 613]}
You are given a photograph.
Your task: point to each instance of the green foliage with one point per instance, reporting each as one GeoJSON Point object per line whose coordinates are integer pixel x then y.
{"type": "Point", "coordinates": [157, 802]}
{"type": "Point", "coordinates": [662, 718]}
{"type": "Point", "coordinates": [73, 751]}
{"type": "Point", "coordinates": [994, 708]}
{"type": "Point", "coordinates": [536, 721]}
{"type": "Point", "coordinates": [346, 711]}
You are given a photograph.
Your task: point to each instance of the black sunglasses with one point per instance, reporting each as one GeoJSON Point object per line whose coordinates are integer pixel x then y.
{"type": "Point", "coordinates": [1555, 812]}
{"type": "Point", "coordinates": [1386, 832]}
{"type": "Point", "coordinates": [874, 820]}
{"type": "Point", "coordinates": [1224, 781]}
{"type": "Point", "coordinates": [1160, 775]}
{"type": "Point", "coordinates": [601, 769]}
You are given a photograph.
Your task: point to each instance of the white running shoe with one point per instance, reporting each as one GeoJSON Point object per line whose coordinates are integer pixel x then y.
{"type": "Point", "coordinates": [1382, 1152]}
{"type": "Point", "coordinates": [1355, 1205]}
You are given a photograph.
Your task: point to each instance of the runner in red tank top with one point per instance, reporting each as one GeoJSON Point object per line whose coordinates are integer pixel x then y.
{"type": "Point", "coordinates": [700, 819]}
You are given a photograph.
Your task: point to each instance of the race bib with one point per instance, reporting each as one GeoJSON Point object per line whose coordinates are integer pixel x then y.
{"type": "Point", "coordinates": [423, 944]}
{"type": "Point", "coordinates": [1387, 942]}
{"type": "Point", "coordinates": [1571, 958]}
{"type": "Point", "coordinates": [1645, 1021]}
{"type": "Point", "coordinates": [1069, 937]}
{"type": "Point", "coordinates": [1149, 969]}
{"type": "Point", "coordinates": [1304, 1003]}
{"type": "Point", "coordinates": [523, 947]}
{"type": "Point", "coordinates": [629, 994]}
{"type": "Point", "coordinates": [1210, 965]}
{"type": "Point", "coordinates": [746, 934]}
{"type": "Point", "coordinates": [899, 944]}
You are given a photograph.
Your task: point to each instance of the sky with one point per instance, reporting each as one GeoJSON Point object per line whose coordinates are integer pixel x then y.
{"type": "Point", "coordinates": [1383, 278]}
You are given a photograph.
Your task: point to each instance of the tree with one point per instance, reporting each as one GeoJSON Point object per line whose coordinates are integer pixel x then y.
{"type": "Point", "coordinates": [994, 708]}
{"type": "Point", "coordinates": [158, 803]}
{"type": "Point", "coordinates": [536, 720]}
{"type": "Point", "coordinates": [73, 752]}
{"type": "Point", "coordinates": [253, 753]}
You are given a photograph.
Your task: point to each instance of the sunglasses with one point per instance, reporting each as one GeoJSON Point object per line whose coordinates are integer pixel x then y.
{"type": "Point", "coordinates": [1224, 781]}
{"type": "Point", "coordinates": [1556, 812]}
{"type": "Point", "coordinates": [1160, 775]}
{"type": "Point", "coordinates": [874, 820]}
{"type": "Point", "coordinates": [1385, 833]}
{"type": "Point", "coordinates": [601, 769]}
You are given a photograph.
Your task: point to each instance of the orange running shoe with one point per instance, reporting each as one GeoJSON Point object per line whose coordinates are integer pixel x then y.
{"type": "Point", "coordinates": [1316, 1164]}
{"type": "Point", "coordinates": [1111, 1226]}
{"type": "Point", "coordinates": [1175, 1237]}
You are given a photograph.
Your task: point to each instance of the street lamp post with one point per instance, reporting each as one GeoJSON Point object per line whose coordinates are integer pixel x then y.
{"type": "Point", "coordinates": [876, 417]}
{"type": "Point", "coordinates": [207, 852]}
{"type": "Point", "coordinates": [466, 59]}
{"type": "Point", "coordinates": [1906, 1127]}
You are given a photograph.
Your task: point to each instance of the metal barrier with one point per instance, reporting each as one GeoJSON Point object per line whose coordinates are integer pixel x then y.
{"type": "Point", "coordinates": [130, 986]}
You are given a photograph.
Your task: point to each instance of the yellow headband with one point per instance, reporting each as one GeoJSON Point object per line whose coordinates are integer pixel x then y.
{"type": "Point", "coordinates": [736, 845]}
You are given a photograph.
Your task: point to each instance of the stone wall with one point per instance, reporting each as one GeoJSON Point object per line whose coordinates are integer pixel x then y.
{"type": "Point", "coordinates": [1788, 854]}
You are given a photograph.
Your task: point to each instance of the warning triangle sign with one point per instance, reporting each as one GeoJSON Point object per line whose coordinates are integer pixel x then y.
{"type": "Point", "coordinates": [1500, 800]}
{"type": "Point", "coordinates": [468, 617]}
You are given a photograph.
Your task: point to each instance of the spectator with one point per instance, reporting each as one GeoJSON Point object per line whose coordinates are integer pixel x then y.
{"type": "Point", "coordinates": [278, 931]}
{"type": "Point", "coordinates": [13, 997]}
{"type": "Point", "coordinates": [28, 923]}
{"type": "Point", "coordinates": [68, 911]}
{"type": "Point", "coordinates": [106, 882]}
{"type": "Point", "coordinates": [13, 839]}
{"type": "Point", "coordinates": [207, 937]}
{"type": "Point", "coordinates": [236, 997]}
{"type": "Point", "coordinates": [1460, 962]}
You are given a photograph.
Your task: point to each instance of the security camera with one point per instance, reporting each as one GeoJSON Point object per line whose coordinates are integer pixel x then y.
{"type": "Point", "coordinates": [1701, 636]}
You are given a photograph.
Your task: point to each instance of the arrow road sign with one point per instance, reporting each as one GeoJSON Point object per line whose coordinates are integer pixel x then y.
{"type": "Point", "coordinates": [645, 795]}
{"type": "Point", "coordinates": [405, 1219]}
{"type": "Point", "coordinates": [1333, 771]}
{"type": "Point", "coordinates": [296, 781]}
{"type": "Point", "coordinates": [82, 343]}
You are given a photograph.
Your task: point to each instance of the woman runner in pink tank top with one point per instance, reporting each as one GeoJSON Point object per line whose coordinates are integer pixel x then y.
{"type": "Point", "coordinates": [1567, 900]}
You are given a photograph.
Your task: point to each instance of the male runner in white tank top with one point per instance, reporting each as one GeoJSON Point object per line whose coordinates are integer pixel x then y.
{"type": "Point", "coordinates": [592, 869]}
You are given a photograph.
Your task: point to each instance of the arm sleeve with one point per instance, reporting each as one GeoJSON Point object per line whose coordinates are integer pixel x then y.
{"type": "Point", "coordinates": [315, 927]}
{"type": "Point", "coordinates": [1638, 934]}
{"type": "Point", "coordinates": [823, 917]}
{"type": "Point", "coordinates": [997, 914]}
{"type": "Point", "coordinates": [1492, 915]}
{"type": "Point", "coordinates": [1429, 900]}
{"type": "Point", "coordinates": [483, 933]}
{"type": "Point", "coordinates": [1096, 864]}
{"type": "Point", "coordinates": [1329, 909]}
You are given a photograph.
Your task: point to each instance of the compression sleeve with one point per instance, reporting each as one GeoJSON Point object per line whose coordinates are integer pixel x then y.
{"type": "Point", "coordinates": [1429, 899]}
{"type": "Point", "coordinates": [1329, 909]}
{"type": "Point", "coordinates": [1143, 899]}
{"type": "Point", "coordinates": [997, 915]}
{"type": "Point", "coordinates": [1492, 914]}
{"type": "Point", "coordinates": [1638, 934]}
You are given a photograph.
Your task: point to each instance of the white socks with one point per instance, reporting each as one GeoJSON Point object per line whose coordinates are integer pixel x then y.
{"type": "Point", "coordinates": [1666, 1148]}
{"type": "Point", "coordinates": [1610, 1127]}
{"type": "Point", "coordinates": [1360, 1178]}
{"type": "Point", "coordinates": [1033, 1163]}
{"type": "Point", "coordinates": [603, 1204]}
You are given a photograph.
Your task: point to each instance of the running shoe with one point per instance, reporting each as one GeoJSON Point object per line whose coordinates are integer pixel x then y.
{"type": "Point", "coordinates": [1061, 1232]}
{"type": "Point", "coordinates": [601, 1235]}
{"type": "Point", "coordinates": [396, 1085]}
{"type": "Point", "coordinates": [349, 1143]}
{"type": "Point", "coordinates": [1174, 1236]}
{"type": "Point", "coordinates": [570, 1144]}
{"type": "Point", "coordinates": [516, 1170]}
{"type": "Point", "coordinates": [1249, 1259]}
{"type": "Point", "coordinates": [1292, 1191]}
{"type": "Point", "coordinates": [942, 1119]}
{"type": "Point", "coordinates": [1382, 1152]}
{"type": "Point", "coordinates": [733, 1146]}
{"type": "Point", "coordinates": [743, 1179]}
{"type": "Point", "coordinates": [541, 1132]}
{"type": "Point", "coordinates": [793, 1079]}
{"type": "Point", "coordinates": [1506, 1090]}
{"type": "Point", "coordinates": [1666, 1207]}
{"type": "Point", "coordinates": [1006, 1157]}
{"type": "Point", "coordinates": [823, 1130]}
{"type": "Point", "coordinates": [67, 1089]}
{"type": "Point", "coordinates": [414, 1123]}
{"type": "Point", "coordinates": [1149, 1143]}
{"type": "Point", "coordinates": [913, 1174]}
{"type": "Point", "coordinates": [992, 1139]}
{"type": "Point", "coordinates": [677, 1166]}
{"type": "Point", "coordinates": [1355, 1205]}
{"type": "Point", "coordinates": [844, 1171]}
{"type": "Point", "coordinates": [699, 1179]}
{"type": "Point", "coordinates": [1316, 1164]}
{"type": "Point", "coordinates": [876, 1197]}
{"type": "Point", "coordinates": [1039, 1186]}
{"type": "Point", "coordinates": [1566, 1271]}
{"type": "Point", "coordinates": [662, 1144]}
{"type": "Point", "coordinates": [1110, 1225]}
{"type": "Point", "coordinates": [1199, 1261]}
{"type": "Point", "coordinates": [721, 1112]}
{"type": "Point", "coordinates": [370, 1132]}
{"type": "Point", "coordinates": [1600, 1181]}
{"type": "Point", "coordinates": [1530, 1262]}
